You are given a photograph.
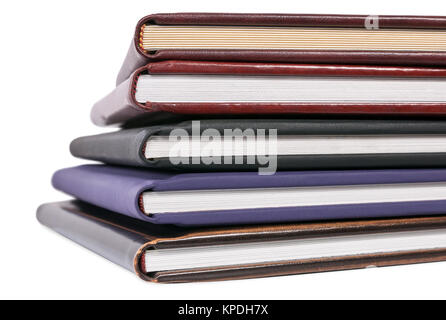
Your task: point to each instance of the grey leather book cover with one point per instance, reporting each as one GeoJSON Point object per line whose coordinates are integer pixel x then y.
{"type": "Point", "coordinates": [126, 147]}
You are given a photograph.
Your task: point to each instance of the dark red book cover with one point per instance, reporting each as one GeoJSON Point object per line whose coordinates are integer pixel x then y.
{"type": "Point", "coordinates": [121, 106]}
{"type": "Point", "coordinates": [137, 56]}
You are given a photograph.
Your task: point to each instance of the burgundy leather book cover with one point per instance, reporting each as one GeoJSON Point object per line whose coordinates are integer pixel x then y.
{"type": "Point", "coordinates": [120, 106]}
{"type": "Point", "coordinates": [137, 57]}
{"type": "Point", "coordinates": [123, 241]}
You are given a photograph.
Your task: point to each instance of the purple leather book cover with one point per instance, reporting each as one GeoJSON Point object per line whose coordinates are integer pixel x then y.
{"type": "Point", "coordinates": [119, 189]}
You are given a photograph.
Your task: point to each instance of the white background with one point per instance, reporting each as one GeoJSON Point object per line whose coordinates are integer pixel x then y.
{"type": "Point", "coordinates": [57, 59]}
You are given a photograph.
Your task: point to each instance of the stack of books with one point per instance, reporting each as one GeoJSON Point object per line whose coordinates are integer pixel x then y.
{"type": "Point", "coordinates": [258, 145]}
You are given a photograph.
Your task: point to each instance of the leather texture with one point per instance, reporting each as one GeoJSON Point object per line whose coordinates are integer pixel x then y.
{"type": "Point", "coordinates": [138, 57]}
{"type": "Point", "coordinates": [125, 147]}
{"type": "Point", "coordinates": [120, 106]}
{"type": "Point", "coordinates": [123, 241]}
{"type": "Point", "coordinates": [292, 69]}
{"type": "Point", "coordinates": [120, 189]}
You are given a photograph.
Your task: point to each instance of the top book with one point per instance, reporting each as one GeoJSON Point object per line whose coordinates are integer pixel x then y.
{"type": "Point", "coordinates": [296, 38]}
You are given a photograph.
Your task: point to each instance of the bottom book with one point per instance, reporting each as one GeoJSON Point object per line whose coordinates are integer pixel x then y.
{"type": "Point", "coordinates": [163, 253]}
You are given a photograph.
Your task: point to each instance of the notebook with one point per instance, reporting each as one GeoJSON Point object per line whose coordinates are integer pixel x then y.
{"type": "Point", "coordinates": [188, 87]}
{"type": "Point", "coordinates": [286, 144]}
{"type": "Point", "coordinates": [171, 254]}
{"type": "Point", "coordinates": [299, 38]}
{"type": "Point", "coordinates": [225, 198]}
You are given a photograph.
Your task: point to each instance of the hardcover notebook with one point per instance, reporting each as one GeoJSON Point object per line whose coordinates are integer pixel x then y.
{"type": "Point", "coordinates": [188, 87]}
{"type": "Point", "coordinates": [170, 254]}
{"type": "Point", "coordinates": [300, 38]}
{"type": "Point", "coordinates": [247, 197]}
{"type": "Point", "coordinates": [300, 144]}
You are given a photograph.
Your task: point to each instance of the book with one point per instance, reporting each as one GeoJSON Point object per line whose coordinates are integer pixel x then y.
{"type": "Point", "coordinates": [225, 198]}
{"type": "Point", "coordinates": [204, 88]}
{"type": "Point", "coordinates": [297, 38]}
{"type": "Point", "coordinates": [293, 144]}
{"type": "Point", "coordinates": [172, 254]}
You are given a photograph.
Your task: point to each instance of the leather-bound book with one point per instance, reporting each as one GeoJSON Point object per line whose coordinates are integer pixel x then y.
{"type": "Point", "coordinates": [297, 38]}
{"type": "Point", "coordinates": [250, 88]}
{"type": "Point", "coordinates": [230, 198]}
{"type": "Point", "coordinates": [292, 144]}
{"type": "Point", "coordinates": [171, 254]}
